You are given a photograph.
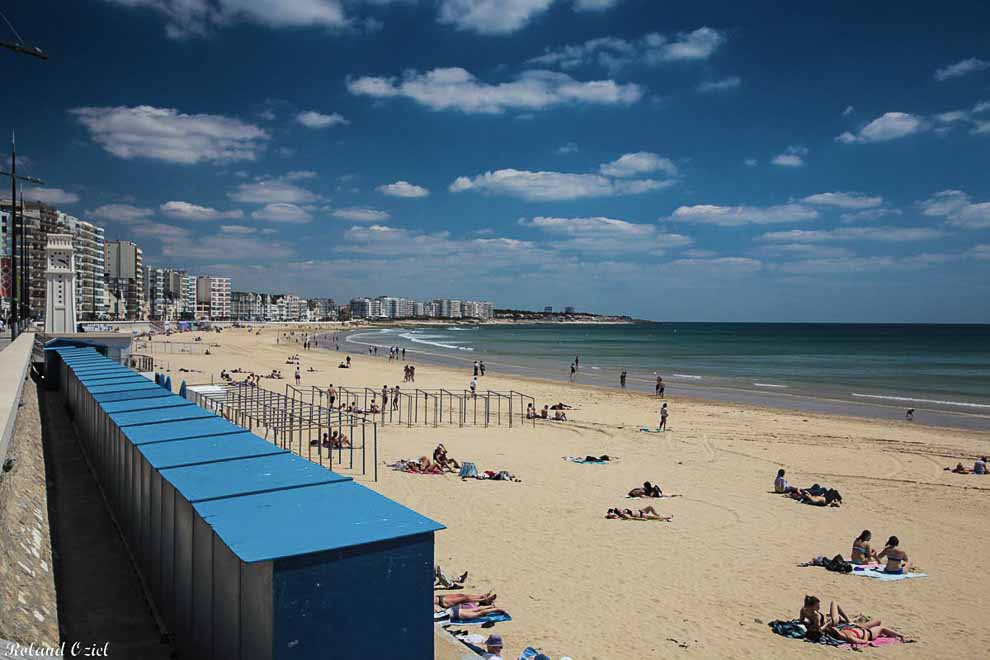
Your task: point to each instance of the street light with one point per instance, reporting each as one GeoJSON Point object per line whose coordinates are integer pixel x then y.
{"type": "Point", "coordinates": [24, 49]}
{"type": "Point", "coordinates": [15, 290]}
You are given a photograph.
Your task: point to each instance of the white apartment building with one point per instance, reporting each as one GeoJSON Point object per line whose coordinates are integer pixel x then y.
{"type": "Point", "coordinates": [219, 298]}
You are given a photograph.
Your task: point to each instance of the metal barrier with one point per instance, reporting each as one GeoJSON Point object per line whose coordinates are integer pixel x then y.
{"type": "Point", "coordinates": [142, 363]}
{"type": "Point", "coordinates": [295, 423]}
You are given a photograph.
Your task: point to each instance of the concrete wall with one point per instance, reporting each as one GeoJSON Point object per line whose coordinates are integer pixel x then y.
{"type": "Point", "coordinates": [28, 610]}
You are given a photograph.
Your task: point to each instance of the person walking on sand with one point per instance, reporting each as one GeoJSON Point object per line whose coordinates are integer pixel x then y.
{"type": "Point", "coordinates": [573, 371]}
{"type": "Point", "coordinates": [475, 368]}
{"type": "Point", "coordinates": [332, 395]}
{"type": "Point", "coordinates": [622, 379]}
{"type": "Point", "coordinates": [474, 386]}
{"type": "Point", "coordinates": [298, 377]}
{"type": "Point", "coordinates": [663, 418]}
{"type": "Point", "coordinates": [481, 367]}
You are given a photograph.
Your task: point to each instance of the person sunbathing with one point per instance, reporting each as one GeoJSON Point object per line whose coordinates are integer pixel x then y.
{"type": "Point", "coordinates": [465, 612]}
{"type": "Point", "coordinates": [897, 559]}
{"type": "Point", "coordinates": [837, 625]}
{"type": "Point", "coordinates": [649, 490]}
{"type": "Point", "coordinates": [646, 513]}
{"type": "Point", "coordinates": [440, 579]}
{"type": "Point", "coordinates": [449, 600]}
{"type": "Point", "coordinates": [561, 406]}
{"type": "Point", "coordinates": [817, 497]}
{"type": "Point", "coordinates": [960, 469]}
{"type": "Point", "coordinates": [440, 458]}
{"type": "Point", "coordinates": [862, 553]}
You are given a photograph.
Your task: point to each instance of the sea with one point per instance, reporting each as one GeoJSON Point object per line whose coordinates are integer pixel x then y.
{"type": "Point", "coordinates": [871, 370]}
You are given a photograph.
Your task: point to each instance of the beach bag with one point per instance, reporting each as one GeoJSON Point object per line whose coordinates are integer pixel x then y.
{"type": "Point", "coordinates": [838, 565]}
{"type": "Point", "coordinates": [468, 470]}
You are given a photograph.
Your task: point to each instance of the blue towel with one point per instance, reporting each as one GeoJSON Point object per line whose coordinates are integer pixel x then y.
{"type": "Point", "coordinates": [575, 459]}
{"type": "Point", "coordinates": [878, 574]}
{"type": "Point", "coordinates": [493, 618]}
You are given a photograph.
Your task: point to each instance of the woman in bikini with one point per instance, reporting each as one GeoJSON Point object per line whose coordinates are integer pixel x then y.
{"type": "Point", "coordinates": [646, 513]}
{"type": "Point", "coordinates": [837, 625]}
{"type": "Point", "coordinates": [862, 553]}
{"type": "Point", "coordinates": [897, 559]}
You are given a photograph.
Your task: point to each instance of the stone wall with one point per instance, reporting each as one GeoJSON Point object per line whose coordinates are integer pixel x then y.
{"type": "Point", "coordinates": [28, 610]}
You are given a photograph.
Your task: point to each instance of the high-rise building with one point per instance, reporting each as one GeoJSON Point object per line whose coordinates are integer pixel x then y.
{"type": "Point", "coordinates": [37, 221]}
{"type": "Point", "coordinates": [360, 308]}
{"type": "Point", "coordinates": [89, 245]}
{"type": "Point", "coordinates": [124, 262]}
{"type": "Point", "coordinates": [154, 292]}
{"type": "Point", "coordinates": [188, 284]}
{"type": "Point", "coordinates": [219, 298]}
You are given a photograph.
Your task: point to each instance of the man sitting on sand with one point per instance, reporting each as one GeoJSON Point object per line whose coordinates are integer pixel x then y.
{"type": "Point", "coordinates": [646, 513]}
{"type": "Point", "coordinates": [649, 490]}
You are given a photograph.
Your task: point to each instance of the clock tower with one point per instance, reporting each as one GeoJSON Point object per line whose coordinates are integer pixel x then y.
{"type": "Point", "coordinates": [60, 273]}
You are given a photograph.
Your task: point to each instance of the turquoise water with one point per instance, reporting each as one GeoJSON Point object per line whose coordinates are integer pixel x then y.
{"type": "Point", "coordinates": [934, 366]}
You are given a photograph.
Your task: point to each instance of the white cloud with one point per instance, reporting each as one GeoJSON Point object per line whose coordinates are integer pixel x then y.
{"type": "Point", "coordinates": [606, 235]}
{"type": "Point", "coordinates": [491, 16]}
{"type": "Point", "coordinates": [844, 200]}
{"type": "Point", "coordinates": [635, 164]}
{"type": "Point", "coordinates": [185, 18]}
{"type": "Point", "coordinates": [889, 126]}
{"type": "Point", "coordinates": [787, 160]}
{"type": "Point", "coordinates": [166, 134]}
{"type": "Point", "coordinates": [720, 85]}
{"type": "Point", "coordinates": [953, 118]}
{"type": "Point", "coordinates": [981, 251]}
{"type": "Point", "coordinates": [273, 190]}
{"type": "Point", "coordinates": [944, 203]}
{"type": "Point", "coordinates": [360, 214]}
{"type": "Point", "coordinates": [313, 119]}
{"type": "Point", "coordinates": [861, 264]}
{"type": "Point", "coordinates": [238, 229]}
{"type": "Point", "coordinates": [403, 189]}
{"type": "Point", "coordinates": [594, 5]}
{"type": "Point", "coordinates": [793, 156]}
{"type": "Point", "coordinates": [805, 251]}
{"type": "Point", "coordinates": [955, 206]}
{"type": "Point", "coordinates": [883, 234]}
{"type": "Point", "coordinates": [750, 162]}
{"type": "Point", "coordinates": [731, 216]}
{"type": "Point", "coordinates": [547, 186]}
{"type": "Point", "coordinates": [188, 211]}
{"type": "Point", "coordinates": [972, 65]}
{"type": "Point", "coordinates": [848, 111]}
{"type": "Point", "coordinates": [614, 53]}
{"type": "Point", "coordinates": [52, 196]}
{"type": "Point", "coordinates": [121, 212]}
{"type": "Point", "coordinates": [455, 88]}
{"type": "Point", "coordinates": [567, 148]}
{"type": "Point", "coordinates": [282, 212]}
{"type": "Point", "coordinates": [868, 214]}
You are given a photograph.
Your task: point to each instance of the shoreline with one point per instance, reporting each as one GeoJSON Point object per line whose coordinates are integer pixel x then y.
{"type": "Point", "coordinates": [765, 400]}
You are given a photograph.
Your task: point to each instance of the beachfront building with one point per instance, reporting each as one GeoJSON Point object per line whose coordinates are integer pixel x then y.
{"type": "Point", "coordinates": [88, 244]}
{"type": "Point", "coordinates": [322, 309]}
{"type": "Point", "coordinates": [124, 278]}
{"type": "Point", "coordinates": [154, 292]}
{"type": "Point", "coordinates": [473, 309]}
{"type": "Point", "coordinates": [245, 306]}
{"type": "Point", "coordinates": [37, 220]}
{"type": "Point", "coordinates": [212, 298]}
{"type": "Point", "coordinates": [569, 310]}
{"type": "Point", "coordinates": [360, 308]}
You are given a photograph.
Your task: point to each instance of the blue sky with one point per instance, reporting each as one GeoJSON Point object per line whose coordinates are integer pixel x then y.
{"type": "Point", "coordinates": [723, 161]}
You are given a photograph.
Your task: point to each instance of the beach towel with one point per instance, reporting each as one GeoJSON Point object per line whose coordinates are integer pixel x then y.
{"type": "Point", "coordinates": [580, 459]}
{"type": "Point", "coordinates": [796, 630]}
{"type": "Point", "coordinates": [496, 617]}
{"type": "Point", "coordinates": [529, 653]}
{"type": "Point", "coordinates": [645, 429]}
{"type": "Point", "coordinates": [877, 573]}
{"type": "Point", "coordinates": [468, 470]}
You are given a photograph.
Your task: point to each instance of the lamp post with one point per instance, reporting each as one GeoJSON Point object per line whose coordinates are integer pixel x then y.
{"type": "Point", "coordinates": [15, 290]}
{"type": "Point", "coordinates": [22, 48]}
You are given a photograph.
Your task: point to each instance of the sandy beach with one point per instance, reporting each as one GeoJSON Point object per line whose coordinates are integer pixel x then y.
{"type": "Point", "coordinates": [706, 584]}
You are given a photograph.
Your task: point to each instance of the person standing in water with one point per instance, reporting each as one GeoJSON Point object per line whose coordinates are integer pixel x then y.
{"type": "Point", "coordinates": [573, 371]}
{"type": "Point", "coordinates": [577, 361]}
{"type": "Point", "coordinates": [622, 379]}
{"type": "Point", "coordinates": [663, 418]}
